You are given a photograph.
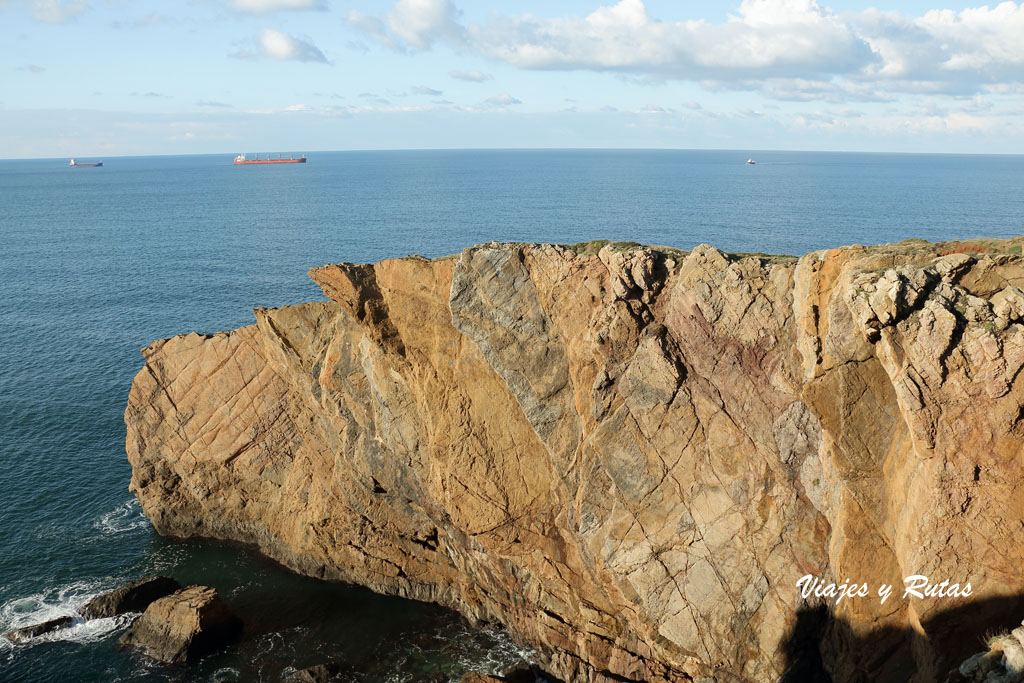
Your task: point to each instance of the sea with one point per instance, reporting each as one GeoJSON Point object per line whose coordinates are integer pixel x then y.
{"type": "Point", "coordinates": [96, 263]}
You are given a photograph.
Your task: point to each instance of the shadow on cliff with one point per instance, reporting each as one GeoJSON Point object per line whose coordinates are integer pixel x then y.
{"type": "Point", "coordinates": [821, 647]}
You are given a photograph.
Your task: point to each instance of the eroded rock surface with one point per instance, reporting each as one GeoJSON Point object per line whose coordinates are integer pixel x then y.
{"type": "Point", "coordinates": [188, 624]}
{"type": "Point", "coordinates": [480, 678]}
{"type": "Point", "coordinates": [626, 455]}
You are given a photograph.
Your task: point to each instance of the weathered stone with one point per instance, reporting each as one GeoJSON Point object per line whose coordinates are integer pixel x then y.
{"type": "Point", "coordinates": [480, 678]}
{"type": "Point", "coordinates": [626, 457]}
{"type": "Point", "coordinates": [132, 597]}
{"type": "Point", "coordinates": [27, 633]}
{"type": "Point", "coordinates": [188, 624]}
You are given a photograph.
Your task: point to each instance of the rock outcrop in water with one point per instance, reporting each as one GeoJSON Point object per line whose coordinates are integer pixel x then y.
{"type": "Point", "coordinates": [183, 626]}
{"type": "Point", "coordinates": [131, 597]}
{"type": "Point", "coordinates": [26, 634]}
{"type": "Point", "coordinates": [628, 456]}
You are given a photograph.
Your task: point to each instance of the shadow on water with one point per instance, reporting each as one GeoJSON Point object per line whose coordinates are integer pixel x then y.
{"type": "Point", "coordinates": [821, 647]}
{"type": "Point", "coordinates": [290, 622]}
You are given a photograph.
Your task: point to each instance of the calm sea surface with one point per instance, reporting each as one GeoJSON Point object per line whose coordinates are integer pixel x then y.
{"type": "Point", "coordinates": [97, 263]}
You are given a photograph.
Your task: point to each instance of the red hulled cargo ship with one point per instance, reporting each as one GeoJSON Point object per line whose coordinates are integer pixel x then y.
{"type": "Point", "coordinates": [240, 159]}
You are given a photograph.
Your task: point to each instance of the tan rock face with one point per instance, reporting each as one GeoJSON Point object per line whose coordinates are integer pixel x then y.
{"type": "Point", "coordinates": [628, 456]}
{"type": "Point", "coordinates": [184, 625]}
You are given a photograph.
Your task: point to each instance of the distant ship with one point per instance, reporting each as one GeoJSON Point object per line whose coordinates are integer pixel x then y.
{"type": "Point", "coordinates": [240, 159]}
{"type": "Point", "coordinates": [751, 162]}
{"type": "Point", "coordinates": [75, 164]}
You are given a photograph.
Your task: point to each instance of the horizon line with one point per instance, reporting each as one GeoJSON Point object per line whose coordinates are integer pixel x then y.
{"type": "Point", "coordinates": [738, 150]}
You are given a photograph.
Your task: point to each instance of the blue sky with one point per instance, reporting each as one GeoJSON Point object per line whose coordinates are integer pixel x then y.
{"type": "Point", "coordinates": [111, 77]}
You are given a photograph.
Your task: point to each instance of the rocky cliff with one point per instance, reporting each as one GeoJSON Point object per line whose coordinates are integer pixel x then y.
{"type": "Point", "coordinates": [626, 455]}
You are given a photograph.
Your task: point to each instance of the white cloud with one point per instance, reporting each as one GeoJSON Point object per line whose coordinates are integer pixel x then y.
{"type": "Point", "coordinates": [422, 22]}
{"type": "Point", "coordinates": [767, 37]}
{"type": "Point", "coordinates": [980, 44]}
{"type": "Point", "coordinates": [371, 26]}
{"type": "Point", "coordinates": [791, 49]}
{"type": "Point", "coordinates": [503, 100]}
{"type": "Point", "coordinates": [471, 76]}
{"type": "Point", "coordinates": [412, 23]}
{"type": "Point", "coordinates": [56, 11]}
{"type": "Point", "coordinates": [284, 47]}
{"type": "Point", "coordinates": [266, 6]}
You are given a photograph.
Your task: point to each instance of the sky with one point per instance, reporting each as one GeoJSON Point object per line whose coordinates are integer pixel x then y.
{"type": "Point", "coordinates": [128, 77]}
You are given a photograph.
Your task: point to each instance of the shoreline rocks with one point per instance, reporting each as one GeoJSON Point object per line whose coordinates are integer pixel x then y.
{"type": "Point", "coordinates": [25, 634]}
{"type": "Point", "coordinates": [331, 672]}
{"type": "Point", "coordinates": [133, 597]}
{"type": "Point", "coordinates": [1003, 662]}
{"type": "Point", "coordinates": [183, 626]}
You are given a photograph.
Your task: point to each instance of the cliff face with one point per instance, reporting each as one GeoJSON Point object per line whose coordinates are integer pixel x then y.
{"type": "Point", "coordinates": [628, 456]}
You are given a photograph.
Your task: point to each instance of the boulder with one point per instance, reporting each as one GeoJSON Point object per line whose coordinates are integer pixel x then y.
{"type": "Point", "coordinates": [183, 626]}
{"type": "Point", "coordinates": [132, 597]}
{"type": "Point", "coordinates": [27, 633]}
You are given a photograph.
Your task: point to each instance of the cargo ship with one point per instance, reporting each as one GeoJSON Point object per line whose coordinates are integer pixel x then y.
{"type": "Point", "coordinates": [241, 159]}
{"type": "Point", "coordinates": [75, 164]}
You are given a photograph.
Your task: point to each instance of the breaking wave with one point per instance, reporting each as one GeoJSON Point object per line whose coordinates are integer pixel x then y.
{"type": "Point", "coordinates": [124, 518]}
{"type": "Point", "coordinates": [57, 602]}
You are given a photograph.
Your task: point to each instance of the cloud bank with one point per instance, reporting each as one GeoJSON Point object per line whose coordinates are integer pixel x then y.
{"type": "Point", "coordinates": [788, 49]}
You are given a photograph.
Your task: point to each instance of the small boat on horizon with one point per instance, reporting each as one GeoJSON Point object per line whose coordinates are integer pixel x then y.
{"type": "Point", "coordinates": [751, 162]}
{"type": "Point", "coordinates": [75, 164]}
{"type": "Point", "coordinates": [241, 159]}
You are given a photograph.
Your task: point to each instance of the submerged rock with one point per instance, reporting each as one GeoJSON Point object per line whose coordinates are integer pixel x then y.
{"type": "Point", "coordinates": [27, 633]}
{"type": "Point", "coordinates": [132, 597]}
{"type": "Point", "coordinates": [188, 624]}
{"type": "Point", "coordinates": [626, 455]}
{"type": "Point", "coordinates": [480, 678]}
{"type": "Point", "coordinates": [331, 672]}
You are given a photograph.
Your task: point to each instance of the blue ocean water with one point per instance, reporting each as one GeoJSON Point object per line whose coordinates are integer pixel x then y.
{"type": "Point", "coordinates": [97, 263]}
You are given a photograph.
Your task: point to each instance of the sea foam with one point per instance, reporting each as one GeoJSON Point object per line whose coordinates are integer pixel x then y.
{"type": "Point", "coordinates": [125, 518]}
{"type": "Point", "coordinates": [56, 602]}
